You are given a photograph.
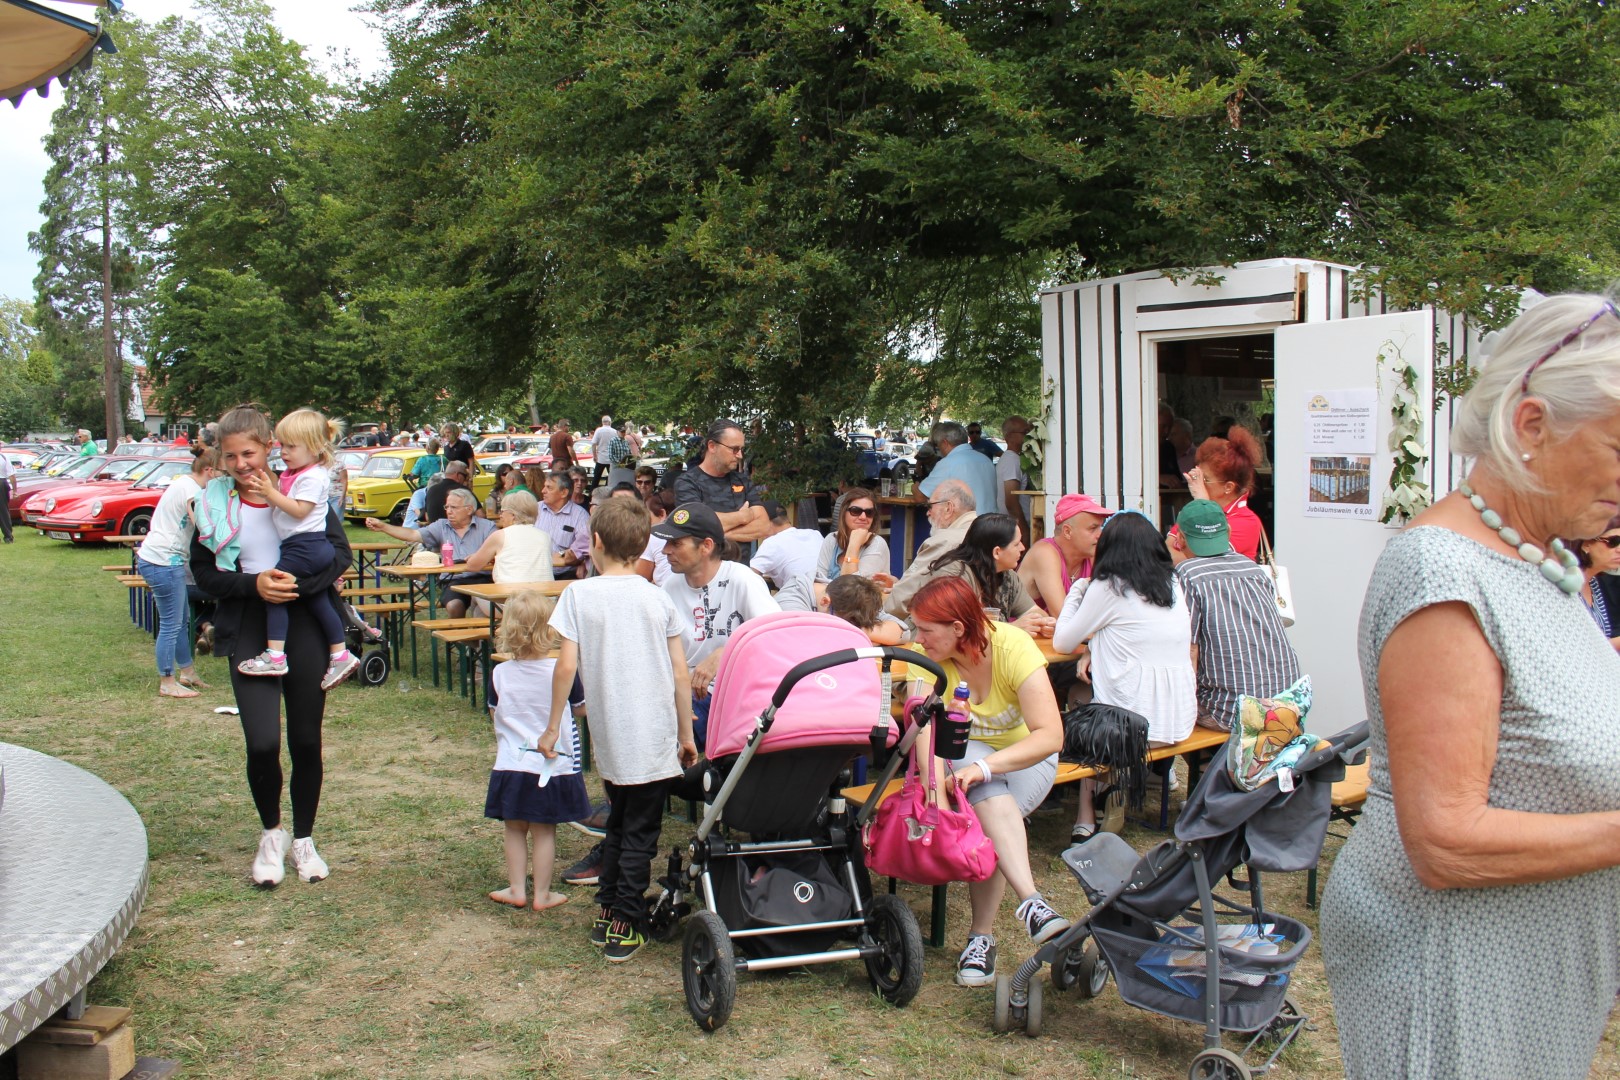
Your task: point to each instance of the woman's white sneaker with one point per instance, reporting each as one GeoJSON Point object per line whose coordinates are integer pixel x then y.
{"type": "Point", "coordinates": [270, 864]}
{"type": "Point", "coordinates": [310, 865]}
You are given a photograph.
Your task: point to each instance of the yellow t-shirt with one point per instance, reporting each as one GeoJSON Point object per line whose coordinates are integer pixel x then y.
{"type": "Point", "coordinates": [997, 720]}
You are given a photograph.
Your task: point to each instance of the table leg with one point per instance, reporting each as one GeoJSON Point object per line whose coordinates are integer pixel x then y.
{"type": "Point", "coordinates": [897, 540]}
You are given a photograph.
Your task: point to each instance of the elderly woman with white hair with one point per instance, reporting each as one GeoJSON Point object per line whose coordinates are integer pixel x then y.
{"type": "Point", "coordinates": [1493, 808]}
{"type": "Point", "coordinates": [516, 551]}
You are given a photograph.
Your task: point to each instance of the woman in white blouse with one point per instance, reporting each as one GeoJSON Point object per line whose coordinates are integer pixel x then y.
{"type": "Point", "coordinates": [1136, 619]}
{"type": "Point", "coordinates": [161, 560]}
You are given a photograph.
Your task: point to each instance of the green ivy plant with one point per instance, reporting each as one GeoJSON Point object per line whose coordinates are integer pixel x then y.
{"type": "Point", "coordinates": [1033, 455]}
{"type": "Point", "coordinates": [1407, 495]}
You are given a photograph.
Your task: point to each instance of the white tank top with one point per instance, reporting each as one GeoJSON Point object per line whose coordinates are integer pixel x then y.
{"type": "Point", "coordinates": [525, 555]}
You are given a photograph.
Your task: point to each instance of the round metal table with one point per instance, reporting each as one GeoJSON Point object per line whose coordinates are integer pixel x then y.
{"type": "Point", "coordinates": [73, 875]}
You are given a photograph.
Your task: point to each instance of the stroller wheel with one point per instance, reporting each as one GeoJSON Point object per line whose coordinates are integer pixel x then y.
{"type": "Point", "coordinates": [1002, 1021]}
{"type": "Point", "coordinates": [708, 971]}
{"type": "Point", "coordinates": [1218, 1063]}
{"type": "Point", "coordinates": [896, 972]}
{"type": "Point", "coordinates": [1032, 1010]}
{"type": "Point", "coordinates": [1080, 965]}
{"type": "Point", "coordinates": [374, 668]}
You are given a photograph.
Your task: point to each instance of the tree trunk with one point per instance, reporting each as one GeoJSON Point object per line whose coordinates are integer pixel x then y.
{"type": "Point", "coordinates": [112, 365]}
{"type": "Point", "coordinates": [534, 408]}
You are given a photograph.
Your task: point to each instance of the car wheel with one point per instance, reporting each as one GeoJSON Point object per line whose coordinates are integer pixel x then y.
{"type": "Point", "coordinates": [138, 524]}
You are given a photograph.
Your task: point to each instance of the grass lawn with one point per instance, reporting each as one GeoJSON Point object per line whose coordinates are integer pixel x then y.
{"type": "Point", "coordinates": [398, 965]}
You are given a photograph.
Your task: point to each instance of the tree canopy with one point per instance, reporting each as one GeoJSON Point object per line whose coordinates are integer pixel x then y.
{"type": "Point", "coordinates": [809, 209]}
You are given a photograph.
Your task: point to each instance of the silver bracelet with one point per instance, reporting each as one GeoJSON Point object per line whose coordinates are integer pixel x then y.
{"type": "Point", "coordinates": [984, 767]}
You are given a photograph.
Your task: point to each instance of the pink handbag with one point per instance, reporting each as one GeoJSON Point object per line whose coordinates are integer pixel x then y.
{"type": "Point", "coordinates": [919, 837]}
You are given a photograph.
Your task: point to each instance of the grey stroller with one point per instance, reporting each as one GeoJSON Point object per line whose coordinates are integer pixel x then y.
{"type": "Point", "coordinates": [1227, 964]}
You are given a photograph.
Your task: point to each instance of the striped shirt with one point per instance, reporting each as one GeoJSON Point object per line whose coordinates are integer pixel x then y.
{"type": "Point", "coordinates": [1241, 645]}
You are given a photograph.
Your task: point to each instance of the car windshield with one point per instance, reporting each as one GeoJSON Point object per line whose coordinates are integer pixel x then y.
{"type": "Point", "coordinates": [126, 470]}
{"type": "Point", "coordinates": [83, 467]}
{"type": "Point", "coordinates": [352, 460]}
{"type": "Point", "coordinates": [165, 472]}
{"type": "Point", "coordinates": [384, 466]}
{"type": "Point", "coordinates": [581, 447]}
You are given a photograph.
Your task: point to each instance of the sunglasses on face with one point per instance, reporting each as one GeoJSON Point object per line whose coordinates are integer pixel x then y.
{"type": "Point", "coordinates": [859, 511]}
{"type": "Point", "coordinates": [1610, 542]}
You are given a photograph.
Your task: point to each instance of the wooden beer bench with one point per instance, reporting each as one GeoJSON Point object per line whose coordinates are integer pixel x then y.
{"type": "Point", "coordinates": [1200, 740]}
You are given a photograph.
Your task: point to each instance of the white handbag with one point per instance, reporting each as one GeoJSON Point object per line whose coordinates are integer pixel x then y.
{"type": "Point", "coordinates": [1279, 580]}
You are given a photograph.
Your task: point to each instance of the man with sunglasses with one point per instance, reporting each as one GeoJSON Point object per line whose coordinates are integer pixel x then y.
{"type": "Point", "coordinates": [718, 482]}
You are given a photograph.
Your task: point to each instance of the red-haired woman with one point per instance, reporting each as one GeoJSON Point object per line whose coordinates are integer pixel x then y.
{"type": "Point", "coordinates": [1011, 758]}
{"type": "Point", "coordinates": [1225, 475]}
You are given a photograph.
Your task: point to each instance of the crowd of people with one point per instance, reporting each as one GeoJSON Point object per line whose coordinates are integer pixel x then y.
{"type": "Point", "coordinates": [1474, 652]}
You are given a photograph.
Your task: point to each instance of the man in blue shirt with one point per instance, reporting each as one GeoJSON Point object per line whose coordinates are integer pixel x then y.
{"type": "Point", "coordinates": [959, 461]}
{"type": "Point", "coordinates": [985, 446]}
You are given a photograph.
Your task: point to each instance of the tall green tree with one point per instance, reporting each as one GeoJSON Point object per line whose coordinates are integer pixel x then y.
{"type": "Point", "coordinates": [93, 286]}
{"type": "Point", "coordinates": [241, 169]}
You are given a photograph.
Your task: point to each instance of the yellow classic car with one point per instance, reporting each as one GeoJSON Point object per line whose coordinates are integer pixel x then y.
{"type": "Point", "coordinates": [384, 486]}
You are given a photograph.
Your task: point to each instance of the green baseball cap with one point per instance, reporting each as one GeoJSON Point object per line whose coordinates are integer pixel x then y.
{"type": "Point", "coordinates": [1204, 528]}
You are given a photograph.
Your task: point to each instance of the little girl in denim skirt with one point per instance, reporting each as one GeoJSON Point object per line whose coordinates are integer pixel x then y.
{"type": "Point", "coordinates": [521, 794]}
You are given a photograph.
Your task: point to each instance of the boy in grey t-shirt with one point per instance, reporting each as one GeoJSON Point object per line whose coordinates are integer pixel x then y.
{"type": "Point", "coordinates": [621, 634]}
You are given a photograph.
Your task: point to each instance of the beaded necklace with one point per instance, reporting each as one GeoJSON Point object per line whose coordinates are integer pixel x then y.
{"type": "Point", "coordinates": [1563, 571]}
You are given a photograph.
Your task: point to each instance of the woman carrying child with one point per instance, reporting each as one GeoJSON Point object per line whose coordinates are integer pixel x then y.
{"type": "Point", "coordinates": [528, 791]}
{"type": "Point", "coordinates": [233, 558]}
{"type": "Point", "coordinates": [298, 511]}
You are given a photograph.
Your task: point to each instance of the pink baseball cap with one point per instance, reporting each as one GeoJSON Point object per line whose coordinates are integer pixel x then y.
{"type": "Point", "coordinates": [1070, 505]}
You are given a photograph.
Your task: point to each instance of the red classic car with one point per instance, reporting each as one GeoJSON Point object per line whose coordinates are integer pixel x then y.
{"type": "Point", "coordinates": [66, 473]}
{"type": "Point", "coordinates": [96, 510]}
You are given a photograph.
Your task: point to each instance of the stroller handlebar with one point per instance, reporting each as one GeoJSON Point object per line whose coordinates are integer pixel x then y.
{"type": "Point", "coordinates": [885, 653]}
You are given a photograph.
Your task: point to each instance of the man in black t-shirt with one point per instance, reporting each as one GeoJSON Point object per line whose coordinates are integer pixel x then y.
{"type": "Point", "coordinates": [718, 482]}
{"type": "Point", "coordinates": [455, 476]}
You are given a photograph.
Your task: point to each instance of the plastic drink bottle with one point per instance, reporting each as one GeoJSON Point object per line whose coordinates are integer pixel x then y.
{"type": "Point", "coordinates": [952, 739]}
{"type": "Point", "coordinates": [447, 554]}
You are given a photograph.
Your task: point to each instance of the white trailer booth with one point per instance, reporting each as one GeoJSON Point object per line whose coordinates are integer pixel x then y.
{"type": "Point", "coordinates": [1114, 348]}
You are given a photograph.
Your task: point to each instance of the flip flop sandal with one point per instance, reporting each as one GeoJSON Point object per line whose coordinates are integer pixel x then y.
{"type": "Point", "coordinates": [180, 691]}
{"type": "Point", "coordinates": [195, 684]}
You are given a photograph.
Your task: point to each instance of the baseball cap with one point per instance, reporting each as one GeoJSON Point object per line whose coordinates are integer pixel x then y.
{"type": "Point", "coordinates": [1204, 527]}
{"type": "Point", "coordinates": [1070, 505]}
{"type": "Point", "coordinates": [694, 520]}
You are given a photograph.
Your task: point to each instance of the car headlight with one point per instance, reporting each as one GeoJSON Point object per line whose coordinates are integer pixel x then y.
{"type": "Point", "coordinates": [50, 505]}
{"type": "Point", "coordinates": [95, 508]}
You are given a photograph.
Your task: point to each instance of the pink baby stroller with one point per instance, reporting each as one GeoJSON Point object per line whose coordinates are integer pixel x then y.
{"type": "Point", "coordinates": [796, 699]}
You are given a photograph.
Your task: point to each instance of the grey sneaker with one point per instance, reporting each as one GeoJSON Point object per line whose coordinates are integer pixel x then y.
{"type": "Point", "coordinates": [1040, 920]}
{"type": "Point", "coordinates": [977, 964]}
{"type": "Point", "coordinates": [264, 664]}
{"type": "Point", "coordinates": [339, 669]}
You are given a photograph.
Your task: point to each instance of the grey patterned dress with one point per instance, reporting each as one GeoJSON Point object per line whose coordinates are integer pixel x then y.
{"type": "Point", "coordinates": [1515, 981]}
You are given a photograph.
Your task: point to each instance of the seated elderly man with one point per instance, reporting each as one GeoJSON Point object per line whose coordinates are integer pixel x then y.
{"type": "Point", "coordinates": [950, 512]}
{"type": "Point", "coordinates": [461, 529]}
{"type": "Point", "coordinates": [959, 461]}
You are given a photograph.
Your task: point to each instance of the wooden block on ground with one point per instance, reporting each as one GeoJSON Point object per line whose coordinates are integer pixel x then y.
{"type": "Point", "coordinates": [110, 1059]}
{"type": "Point", "coordinates": [152, 1069]}
{"type": "Point", "coordinates": [97, 1023]}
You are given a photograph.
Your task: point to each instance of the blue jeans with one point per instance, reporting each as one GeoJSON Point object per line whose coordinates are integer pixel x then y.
{"type": "Point", "coordinates": [168, 585]}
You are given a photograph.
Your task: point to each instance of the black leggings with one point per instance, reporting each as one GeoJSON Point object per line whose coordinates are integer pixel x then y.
{"type": "Point", "coordinates": [259, 700]}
